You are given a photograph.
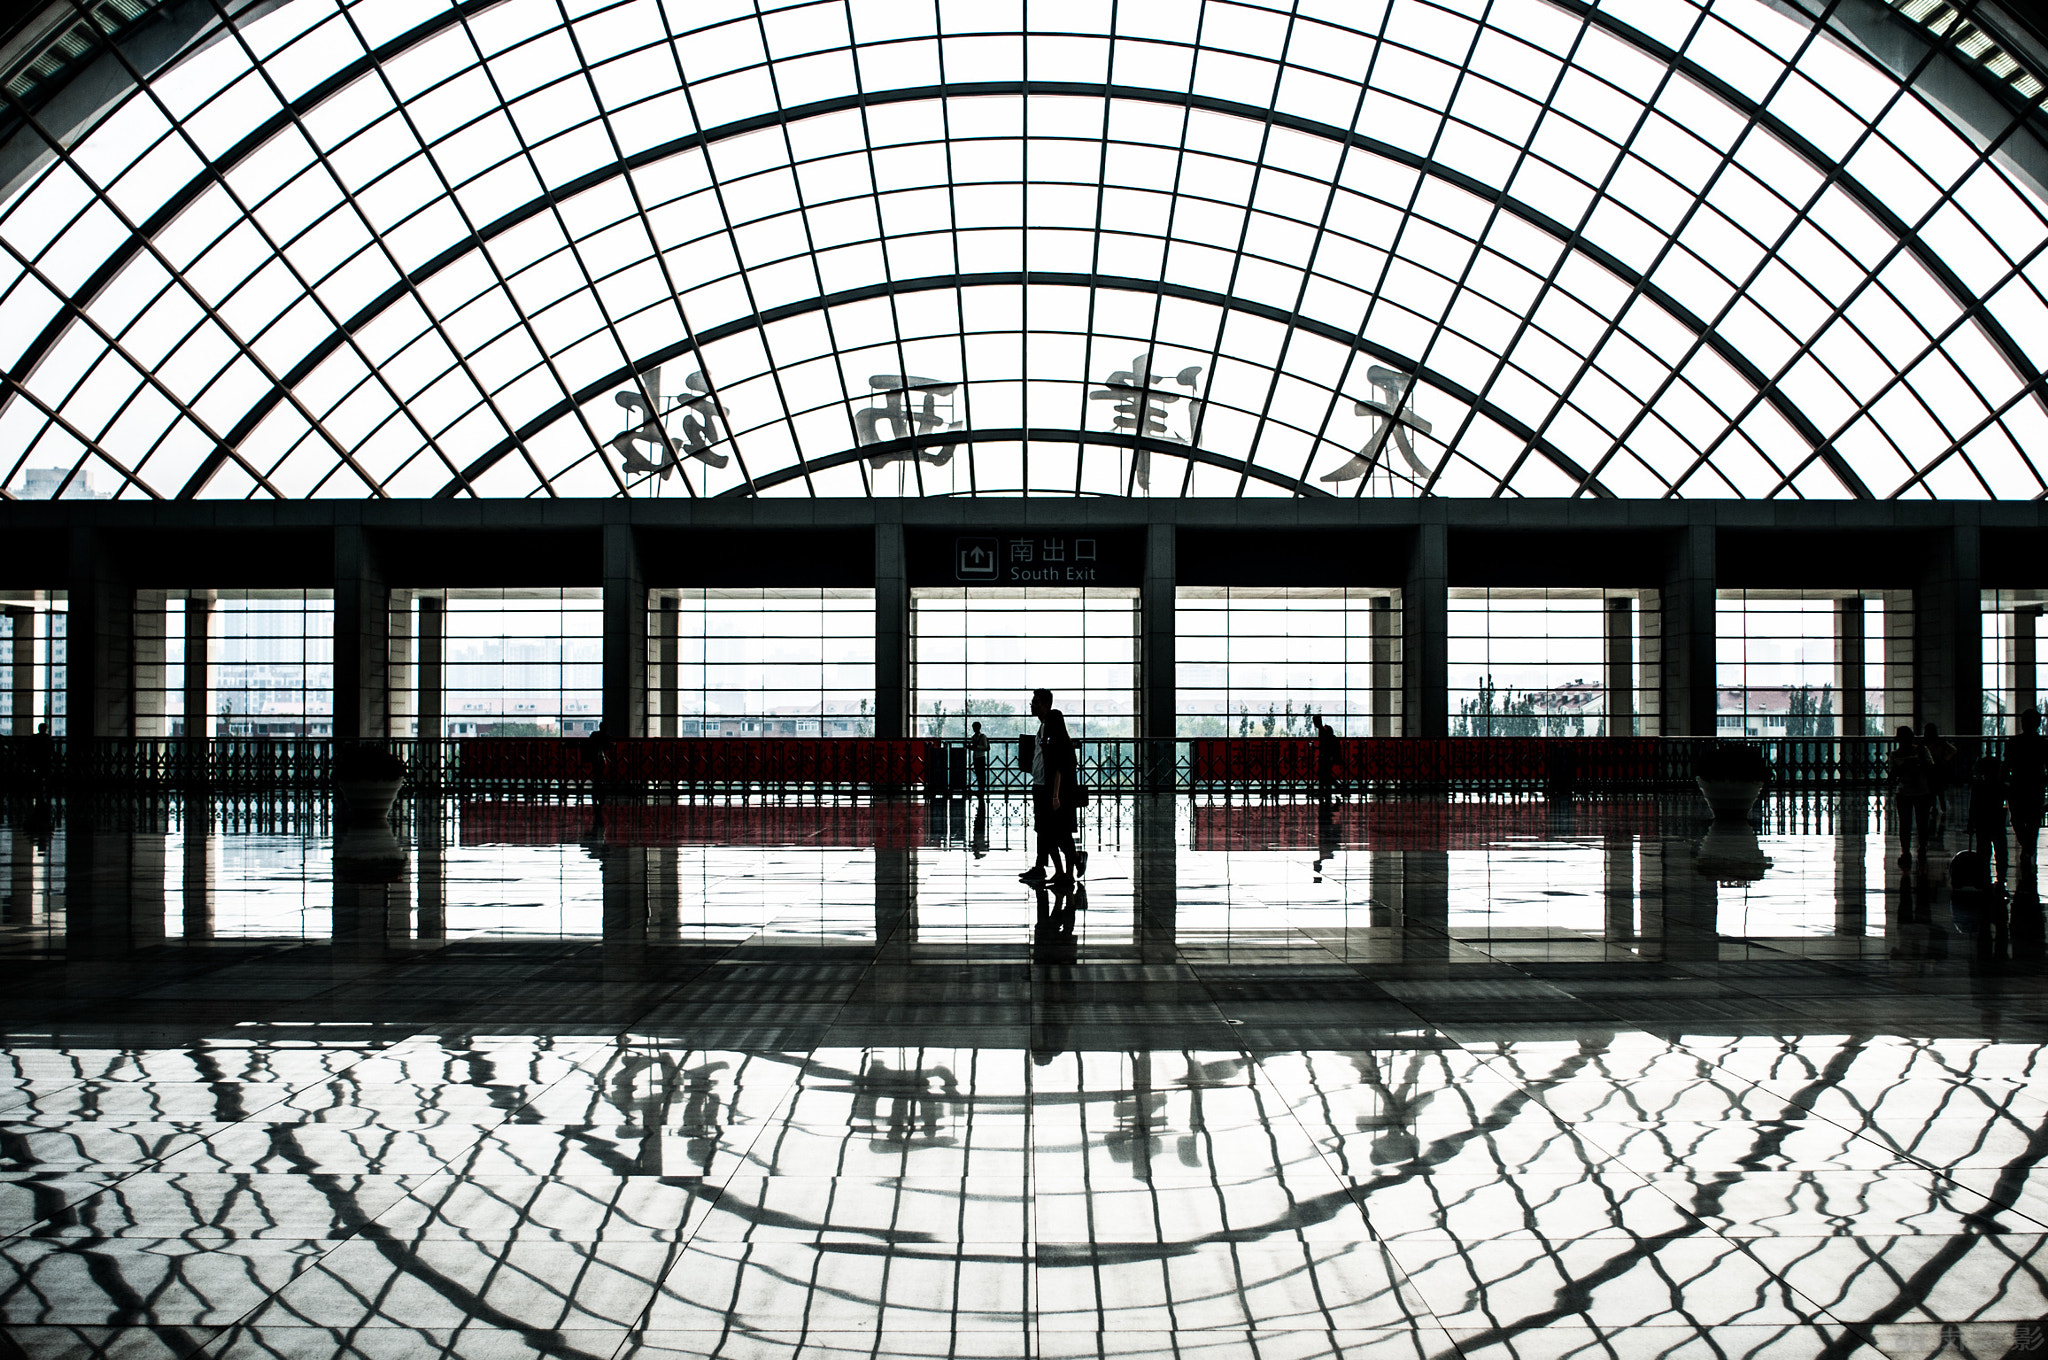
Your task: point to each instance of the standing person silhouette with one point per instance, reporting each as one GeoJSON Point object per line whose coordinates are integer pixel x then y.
{"type": "Point", "coordinates": [1052, 792]}
{"type": "Point", "coordinates": [1327, 751]}
{"type": "Point", "coordinates": [2026, 764]}
{"type": "Point", "coordinates": [1912, 795]}
{"type": "Point", "coordinates": [978, 746]}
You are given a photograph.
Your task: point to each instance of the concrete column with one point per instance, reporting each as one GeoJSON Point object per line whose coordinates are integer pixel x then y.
{"type": "Point", "coordinates": [1386, 717]}
{"type": "Point", "coordinates": [625, 634]}
{"type": "Point", "coordinates": [361, 637]}
{"type": "Point", "coordinates": [1949, 637]}
{"type": "Point", "coordinates": [667, 624]}
{"type": "Point", "coordinates": [1425, 634]}
{"type": "Point", "coordinates": [428, 683]}
{"type": "Point", "coordinates": [401, 680]}
{"type": "Point", "coordinates": [1688, 634]}
{"type": "Point", "coordinates": [1900, 691]}
{"type": "Point", "coordinates": [21, 660]}
{"type": "Point", "coordinates": [99, 652]}
{"type": "Point", "coordinates": [23, 855]}
{"type": "Point", "coordinates": [892, 633]}
{"type": "Point", "coordinates": [1850, 672]}
{"type": "Point", "coordinates": [198, 665]}
{"type": "Point", "coordinates": [147, 703]}
{"type": "Point", "coordinates": [1621, 668]}
{"type": "Point", "coordinates": [1158, 678]}
{"type": "Point", "coordinates": [2026, 691]}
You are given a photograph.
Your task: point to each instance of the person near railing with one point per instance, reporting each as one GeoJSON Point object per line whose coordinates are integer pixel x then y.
{"type": "Point", "coordinates": [1327, 751]}
{"type": "Point", "coordinates": [42, 762]}
{"type": "Point", "coordinates": [1054, 794]}
{"type": "Point", "coordinates": [2026, 773]}
{"type": "Point", "coordinates": [1912, 783]}
{"type": "Point", "coordinates": [1947, 774]}
{"type": "Point", "coordinates": [978, 746]}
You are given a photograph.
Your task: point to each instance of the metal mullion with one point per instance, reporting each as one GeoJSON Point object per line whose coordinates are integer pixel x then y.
{"type": "Point", "coordinates": [1567, 247]}
{"type": "Point", "coordinates": [1963, 316]}
{"type": "Point", "coordinates": [655, 251]}
{"type": "Point", "coordinates": [449, 197]}
{"type": "Point", "coordinates": [1095, 250]}
{"type": "Point", "coordinates": [1244, 232]}
{"type": "Point", "coordinates": [147, 371]}
{"type": "Point", "coordinates": [810, 247]}
{"type": "Point", "coordinates": [875, 199]}
{"type": "Point", "coordinates": [717, 186]}
{"type": "Point", "coordinates": [2033, 387]}
{"type": "Point", "coordinates": [1173, 196]}
{"type": "Point", "coordinates": [1800, 146]}
{"type": "Point", "coordinates": [1771, 251]}
{"type": "Point", "coordinates": [953, 234]}
{"type": "Point", "coordinates": [143, 87]}
{"type": "Point", "coordinates": [1322, 226]}
{"type": "Point", "coordinates": [1393, 250]}
{"type": "Point", "coordinates": [589, 285]}
{"type": "Point", "coordinates": [1546, 108]}
{"type": "Point", "coordinates": [1838, 311]}
{"type": "Point", "coordinates": [350, 199]}
{"type": "Point", "coordinates": [91, 445]}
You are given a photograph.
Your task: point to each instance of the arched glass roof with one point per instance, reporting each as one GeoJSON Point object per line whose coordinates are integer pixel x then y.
{"type": "Point", "coordinates": [1640, 248]}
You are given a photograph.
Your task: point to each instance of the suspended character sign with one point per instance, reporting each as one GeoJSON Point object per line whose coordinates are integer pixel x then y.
{"type": "Point", "coordinates": [1389, 409]}
{"type": "Point", "coordinates": [700, 416]}
{"type": "Point", "coordinates": [896, 392]}
{"type": "Point", "coordinates": [1144, 407]}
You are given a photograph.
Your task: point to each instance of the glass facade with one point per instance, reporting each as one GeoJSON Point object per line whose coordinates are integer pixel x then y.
{"type": "Point", "coordinates": [1275, 661]}
{"type": "Point", "coordinates": [1554, 663]}
{"type": "Point", "coordinates": [522, 663]}
{"type": "Point", "coordinates": [832, 247]}
{"type": "Point", "coordinates": [978, 654]}
{"type": "Point", "coordinates": [1793, 663]}
{"type": "Point", "coordinates": [2012, 682]}
{"type": "Point", "coordinates": [761, 663]}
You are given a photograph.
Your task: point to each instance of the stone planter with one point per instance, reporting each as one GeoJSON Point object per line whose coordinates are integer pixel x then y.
{"type": "Point", "coordinates": [366, 801]}
{"type": "Point", "coordinates": [1731, 799]}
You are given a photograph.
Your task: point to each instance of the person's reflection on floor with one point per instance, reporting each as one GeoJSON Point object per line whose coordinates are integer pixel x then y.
{"type": "Point", "coordinates": [1054, 948]}
{"type": "Point", "coordinates": [1326, 838]}
{"type": "Point", "coordinates": [1977, 904]}
{"type": "Point", "coordinates": [978, 838]}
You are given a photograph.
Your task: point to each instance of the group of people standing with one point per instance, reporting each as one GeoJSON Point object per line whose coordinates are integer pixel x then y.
{"type": "Point", "coordinates": [1927, 774]}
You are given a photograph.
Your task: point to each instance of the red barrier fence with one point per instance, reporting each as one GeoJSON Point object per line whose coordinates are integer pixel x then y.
{"type": "Point", "coordinates": [1461, 762]}
{"type": "Point", "coordinates": [882, 826]}
{"type": "Point", "coordinates": [686, 761]}
{"type": "Point", "coordinates": [1421, 824]}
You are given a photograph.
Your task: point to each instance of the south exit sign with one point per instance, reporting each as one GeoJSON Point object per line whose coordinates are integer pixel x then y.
{"type": "Point", "coordinates": [1018, 557]}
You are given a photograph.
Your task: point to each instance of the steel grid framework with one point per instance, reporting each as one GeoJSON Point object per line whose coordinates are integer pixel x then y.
{"type": "Point", "coordinates": [353, 250]}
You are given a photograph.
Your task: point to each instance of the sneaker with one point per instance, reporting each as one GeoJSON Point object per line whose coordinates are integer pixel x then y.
{"type": "Point", "coordinates": [1035, 876]}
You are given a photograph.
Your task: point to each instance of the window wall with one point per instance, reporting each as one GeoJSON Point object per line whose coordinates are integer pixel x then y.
{"type": "Point", "coordinates": [1272, 661]}
{"type": "Point", "coordinates": [521, 662]}
{"type": "Point", "coordinates": [2012, 681]}
{"type": "Point", "coordinates": [761, 663]}
{"type": "Point", "coordinates": [978, 654]}
{"type": "Point", "coordinates": [269, 663]}
{"type": "Point", "coordinates": [33, 678]}
{"type": "Point", "coordinates": [1554, 663]}
{"type": "Point", "coordinates": [1814, 663]}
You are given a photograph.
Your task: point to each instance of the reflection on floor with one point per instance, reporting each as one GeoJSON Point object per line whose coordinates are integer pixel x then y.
{"type": "Point", "coordinates": [1415, 1079]}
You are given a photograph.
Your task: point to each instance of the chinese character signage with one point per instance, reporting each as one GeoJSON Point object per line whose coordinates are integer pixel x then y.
{"type": "Point", "coordinates": [1039, 557]}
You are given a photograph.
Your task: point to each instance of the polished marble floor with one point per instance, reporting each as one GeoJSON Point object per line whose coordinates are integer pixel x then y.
{"type": "Point", "coordinates": [1417, 1079]}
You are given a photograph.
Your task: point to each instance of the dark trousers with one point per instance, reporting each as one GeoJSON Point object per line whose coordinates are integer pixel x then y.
{"type": "Point", "coordinates": [2026, 820]}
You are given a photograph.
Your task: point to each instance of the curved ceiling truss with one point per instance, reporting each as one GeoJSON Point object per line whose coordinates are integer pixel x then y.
{"type": "Point", "coordinates": [1589, 259]}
